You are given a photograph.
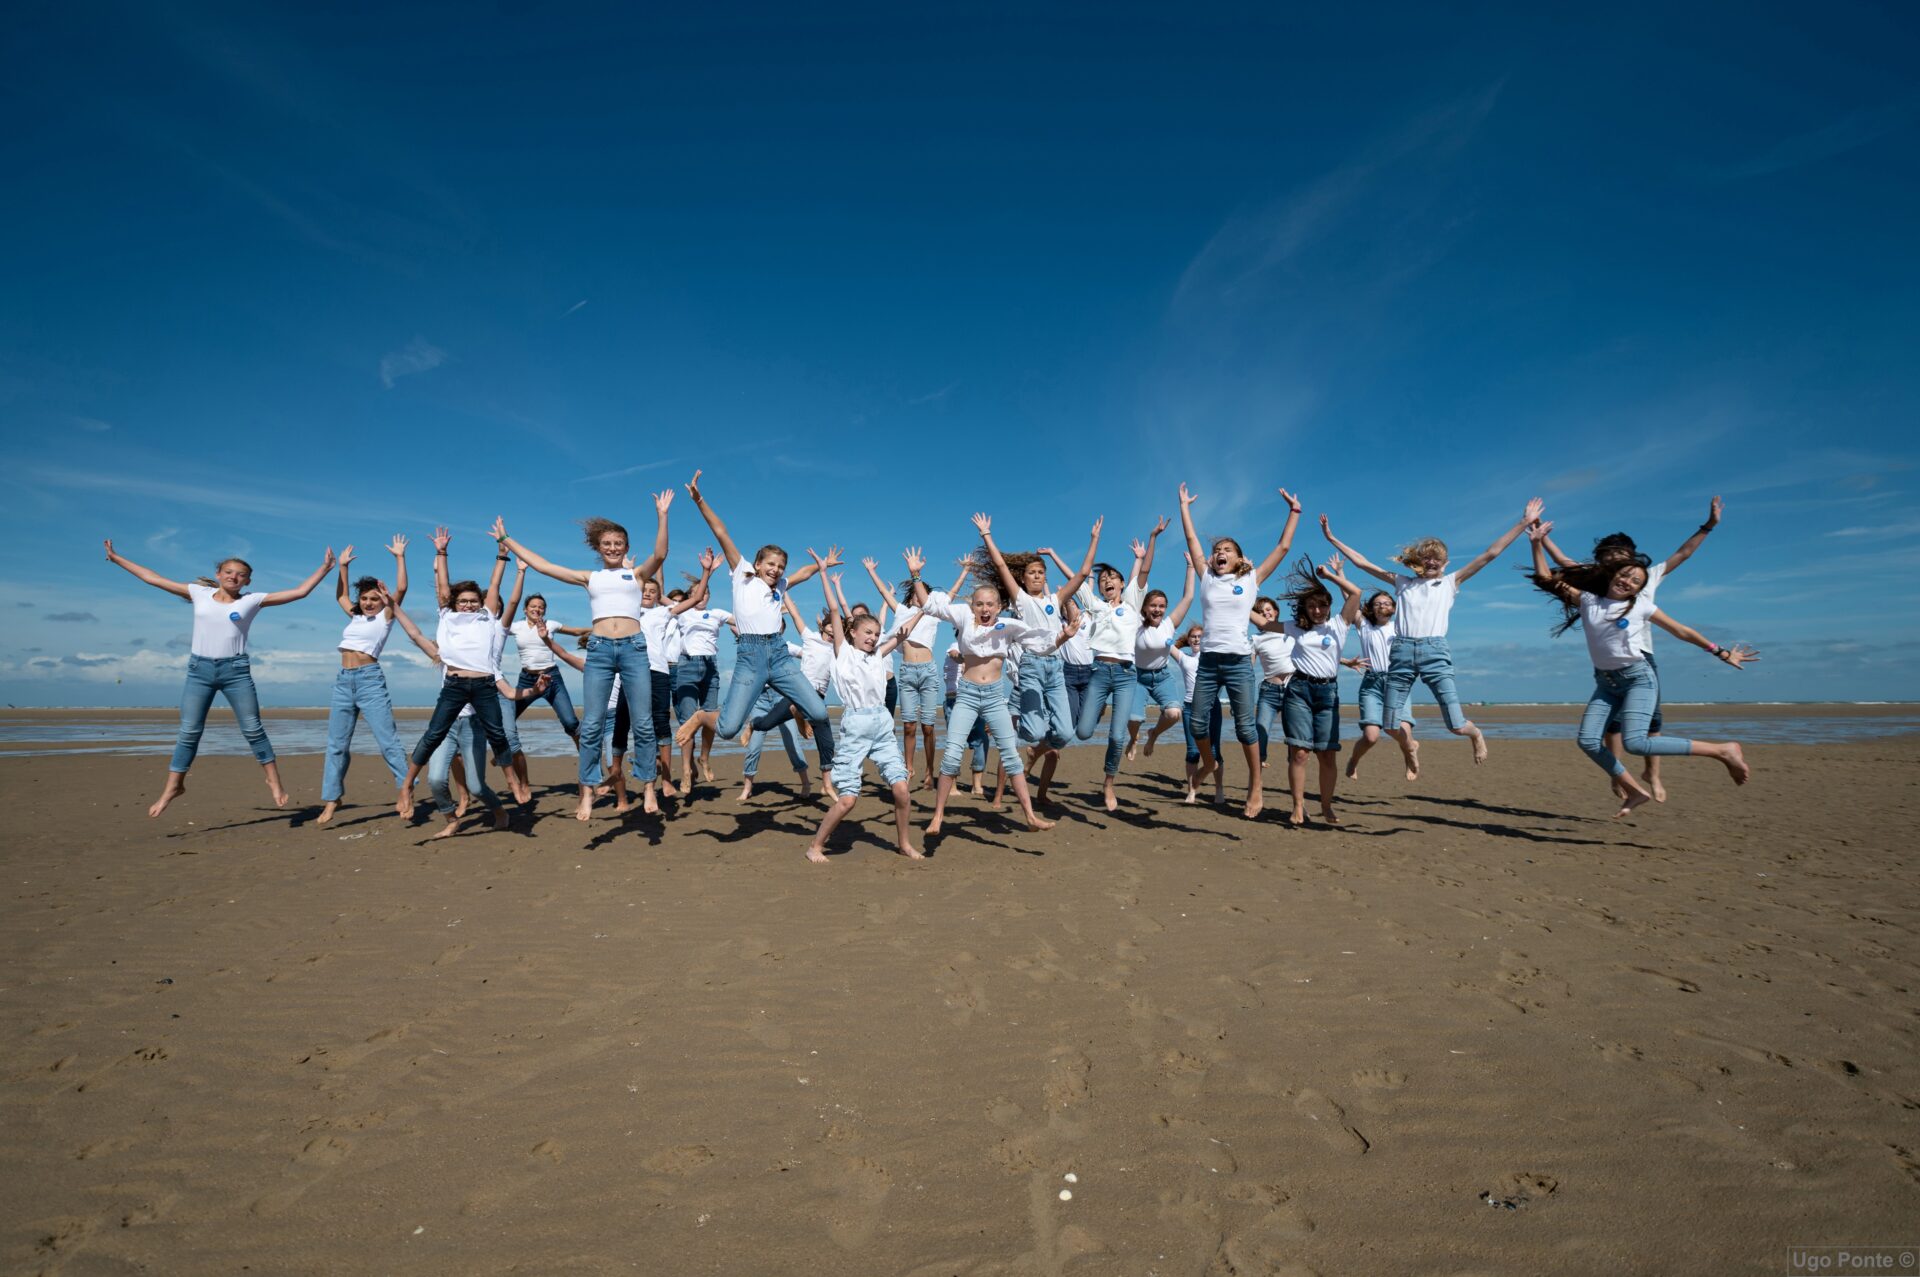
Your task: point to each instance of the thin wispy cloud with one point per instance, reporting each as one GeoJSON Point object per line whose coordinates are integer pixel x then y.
{"type": "Point", "coordinates": [576, 306]}
{"type": "Point", "coordinates": [624, 471]}
{"type": "Point", "coordinates": [1907, 528]}
{"type": "Point", "coordinates": [74, 618]}
{"type": "Point", "coordinates": [238, 498]}
{"type": "Point", "coordinates": [92, 425]}
{"type": "Point", "coordinates": [412, 359]}
{"type": "Point", "coordinates": [1862, 128]}
{"type": "Point", "coordinates": [933, 396]}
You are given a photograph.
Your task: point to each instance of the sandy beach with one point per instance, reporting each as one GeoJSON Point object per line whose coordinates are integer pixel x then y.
{"type": "Point", "coordinates": [1480, 1029]}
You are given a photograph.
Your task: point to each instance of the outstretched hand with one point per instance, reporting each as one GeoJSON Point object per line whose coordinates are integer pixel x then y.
{"type": "Point", "coordinates": [663, 499]}
{"type": "Point", "coordinates": [871, 564]}
{"type": "Point", "coordinates": [1161, 526]}
{"type": "Point", "coordinates": [1532, 514]}
{"type": "Point", "coordinates": [833, 559]}
{"type": "Point", "coordinates": [984, 525]}
{"type": "Point", "coordinates": [693, 486]}
{"type": "Point", "coordinates": [109, 544]}
{"type": "Point", "coordinates": [1186, 498]}
{"type": "Point", "coordinates": [398, 546]}
{"type": "Point", "coordinates": [1738, 655]}
{"type": "Point", "coordinates": [326, 560]}
{"type": "Point", "coordinates": [1326, 529]}
{"type": "Point", "coordinates": [1538, 530]}
{"type": "Point", "coordinates": [1138, 547]}
{"type": "Point", "coordinates": [1293, 502]}
{"type": "Point", "coordinates": [1713, 514]}
{"type": "Point", "coordinates": [441, 537]}
{"type": "Point", "coordinates": [916, 559]}
{"type": "Point", "coordinates": [346, 556]}
{"type": "Point", "coordinates": [1330, 570]}
{"type": "Point", "coordinates": [498, 532]}
{"type": "Point", "coordinates": [708, 561]}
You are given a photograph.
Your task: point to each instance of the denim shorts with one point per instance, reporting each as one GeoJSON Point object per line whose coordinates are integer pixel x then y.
{"type": "Point", "coordinates": [1310, 714]}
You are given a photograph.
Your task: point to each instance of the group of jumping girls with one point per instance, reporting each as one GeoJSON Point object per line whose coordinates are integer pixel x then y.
{"type": "Point", "coordinates": [1034, 665]}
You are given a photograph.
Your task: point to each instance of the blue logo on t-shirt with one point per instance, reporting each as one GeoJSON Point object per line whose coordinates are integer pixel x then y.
{"type": "Point", "coordinates": [1239, 589]}
{"type": "Point", "coordinates": [235, 616]}
{"type": "Point", "coordinates": [1326, 640]}
{"type": "Point", "coordinates": [1049, 609]}
{"type": "Point", "coordinates": [1622, 623]}
{"type": "Point", "coordinates": [1119, 611]}
{"type": "Point", "coordinates": [775, 594]}
{"type": "Point", "coordinates": [626, 576]}
{"type": "Point", "coordinates": [706, 616]}
{"type": "Point", "coordinates": [1001, 626]}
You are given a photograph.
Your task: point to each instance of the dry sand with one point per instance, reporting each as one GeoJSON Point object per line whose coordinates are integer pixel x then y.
{"type": "Point", "coordinates": [235, 1041]}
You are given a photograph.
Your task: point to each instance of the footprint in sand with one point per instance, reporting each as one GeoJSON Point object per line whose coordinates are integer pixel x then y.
{"type": "Point", "coordinates": [1375, 1086]}
{"type": "Point", "coordinates": [1330, 1120]}
{"type": "Point", "coordinates": [452, 954]}
{"type": "Point", "coordinates": [860, 1187]}
{"type": "Point", "coordinates": [768, 1034]}
{"type": "Point", "coordinates": [1067, 1073]}
{"type": "Point", "coordinates": [1194, 1140]}
{"type": "Point", "coordinates": [1262, 1246]}
{"type": "Point", "coordinates": [962, 987]}
{"type": "Point", "coordinates": [681, 1159]}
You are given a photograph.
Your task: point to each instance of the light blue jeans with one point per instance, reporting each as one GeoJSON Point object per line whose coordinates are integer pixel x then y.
{"type": "Point", "coordinates": [626, 657]}
{"type": "Point", "coordinates": [1113, 681]}
{"type": "Point", "coordinates": [976, 702]}
{"type": "Point", "coordinates": [1430, 661]}
{"type": "Point", "coordinates": [1273, 694]}
{"type": "Point", "coordinates": [771, 713]}
{"type": "Point", "coordinates": [920, 691]}
{"type": "Point", "coordinates": [761, 661]}
{"type": "Point", "coordinates": [1234, 672]}
{"type": "Point", "coordinates": [473, 764]}
{"type": "Point", "coordinates": [232, 677]}
{"type": "Point", "coordinates": [1046, 715]}
{"type": "Point", "coordinates": [976, 737]}
{"type": "Point", "coordinates": [1631, 695]}
{"type": "Point", "coordinates": [1162, 686]}
{"type": "Point", "coordinates": [1213, 732]}
{"type": "Point", "coordinates": [355, 692]}
{"type": "Point", "coordinates": [696, 686]}
{"type": "Point", "coordinates": [867, 734]}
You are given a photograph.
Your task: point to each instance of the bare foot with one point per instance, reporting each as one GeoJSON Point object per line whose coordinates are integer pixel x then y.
{"type": "Point", "coordinates": [1413, 762]}
{"type": "Point", "coordinates": [806, 786]}
{"type": "Point", "coordinates": [686, 732]}
{"type": "Point", "coordinates": [1192, 799]}
{"type": "Point", "coordinates": [460, 807]}
{"type": "Point", "coordinates": [667, 790]}
{"type": "Point", "coordinates": [1113, 803]}
{"type": "Point", "coordinates": [176, 786]}
{"type": "Point", "coordinates": [1131, 750]}
{"type": "Point", "coordinates": [1328, 818]}
{"type": "Point", "coordinates": [1479, 748]}
{"type": "Point", "coordinates": [403, 805]}
{"type": "Point", "coordinates": [1636, 798]}
{"type": "Point", "coordinates": [1353, 768]}
{"type": "Point", "coordinates": [1736, 763]}
{"type": "Point", "coordinates": [1040, 795]}
{"type": "Point", "coordinates": [279, 796]}
{"type": "Point", "coordinates": [911, 852]}
{"type": "Point", "coordinates": [502, 817]}
{"type": "Point", "coordinates": [816, 854]}
{"type": "Point", "coordinates": [326, 814]}
{"type": "Point", "coordinates": [601, 791]}
{"type": "Point", "coordinates": [453, 823]}
{"type": "Point", "coordinates": [1297, 817]}
{"type": "Point", "coordinates": [1255, 803]}
{"type": "Point", "coordinates": [746, 791]}
{"type": "Point", "coordinates": [520, 790]}
{"type": "Point", "coordinates": [1653, 783]}
{"type": "Point", "coordinates": [933, 826]}
{"type": "Point", "coordinates": [1035, 822]}
{"type": "Point", "coordinates": [806, 728]}
{"type": "Point", "coordinates": [1220, 792]}
{"type": "Point", "coordinates": [585, 811]}
{"type": "Point", "coordinates": [706, 771]}
{"type": "Point", "coordinates": [624, 806]}
{"type": "Point", "coordinates": [649, 803]}
{"type": "Point", "coordinates": [1147, 749]}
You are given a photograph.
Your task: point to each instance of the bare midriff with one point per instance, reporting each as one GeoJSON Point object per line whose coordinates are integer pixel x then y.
{"type": "Point", "coordinates": [350, 660]}
{"type": "Point", "coordinates": [914, 654]}
{"type": "Point", "coordinates": [981, 669]}
{"type": "Point", "coordinates": [616, 627]}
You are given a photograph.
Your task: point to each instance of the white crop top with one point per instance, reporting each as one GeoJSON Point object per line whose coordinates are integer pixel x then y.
{"type": "Point", "coordinates": [654, 624]}
{"type": "Point", "coordinates": [613, 592]}
{"type": "Point", "coordinates": [1376, 644]}
{"type": "Point", "coordinates": [1274, 653]}
{"type": "Point", "coordinates": [995, 638]}
{"type": "Point", "coordinates": [367, 634]}
{"type": "Point", "coordinates": [220, 629]}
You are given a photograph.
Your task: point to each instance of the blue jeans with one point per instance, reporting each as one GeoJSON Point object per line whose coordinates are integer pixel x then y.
{"type": "Point", "coordinates": [1077, 677]}
{"type": "Point", "coordinates": [1373, 702]}
{"type": "Point", "coordinates": [626, 657]}
{"type": "Point", "coordinates": [1234, 672]}
{"type": "Point", "coordinates": [473, 764]}
{"type": "Point", "coordinates": [232, 677]}
{"type": "Point", "coordinates": [761, 661]}
{"type": "Point", "coordinates": [976, 737]}
{"type": "Point", "coordinates": [1046, 715]}
{"type": "Point", "coordinates": [358, 691]}
{"type": "Point", "coordinates": [696, 686]}
{"type": "Point", "coordinates": [662, 692]}
{"type": "Point", "coordinates": [919, 691]}
{"type": "Point", "coordinates": [1430, 661]}
{"type": "Point", "coordinates": [978, 702]}
{"type": "Point", "coordinates": [555, 695]}
{"type": "Point", "coordinates": [1653, 726]}
{"type": "Point", "coordinates": [456, 692]}
{"type": "Point", "coordinates": [1193, 742]}
{"type": "Point", "coordinates": [772, 712]}
{"type": "Point", "coordinates": [1272, 697]}
{"type": "Point", "coordinates": [1310, 714]}
{"type": "Point", "coordinates": [1162, 686]}
{"type": "Point", "coordinates": [1631, 694]}
{"type": "Point", "coordinates": [1112, 681]}
{"type": "Point", "coordinates": [867, 734]}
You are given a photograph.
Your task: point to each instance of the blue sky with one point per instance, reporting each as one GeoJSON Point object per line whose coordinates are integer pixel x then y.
{"type": "Point", "coordinates": [282, 279]}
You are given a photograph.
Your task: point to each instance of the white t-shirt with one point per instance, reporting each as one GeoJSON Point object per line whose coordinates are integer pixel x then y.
{"type": "Point", "coordinates": [1609, 626]}
{"type": "Point", "coordinates": [756, 605]}
{"type": "Point", "coordinates": [816, 657]}
{"type": "Point", "coordinates": [466, 639]}
{"type": "Point", "coordinates": [535, 655]}
{"type": "Point", "coordinates": [1376, 644]}
{"type": "Point", "coordinates": [497, 646]}
{"type": "Point", "coordinates": [1078, 650]}
{"type": "Point", "coordinates": [654, 624]}
{"type": "Point", "coordinates": [1274, 652]}
{"type": "Point", "coordinates": [1424, 604]}
{"type": "Point", "coordinates": [1042, 612]}
{"type": "Point", "coordinates": [1228, 601]}
{"type": "Point", "coordinates": [1316, 651]}
{"type": "Point", "coordinates": [1642, 625]}
{"type": "Point", "coordinates": [996, 638]}
{"type": "Point", "coordinates": [367, 634]}
{"type": "Point", "coordinates": [613, 592]}
{"type": "Point", "coordinates": [220, 629]}
{"type": "Point", "coordinates": [1189, 663]}
{"type": "Point", "coordinates": [700, 629]}
{"type": "Point", "coordinates": [1153, 646]}
{"type": "Point", "coordinates": [1111, 627]}
{"type": "Point", "coordinates": [927, 628]}
{"type": "Point", "coordinates": [950, 670]}
{"type": "Point", "coordinates": [860, 678]}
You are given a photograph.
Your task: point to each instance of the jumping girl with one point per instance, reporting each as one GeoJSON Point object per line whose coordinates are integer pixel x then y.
{"type": "Point", "coordinates": [1153, 663]}
{"type": "Point", "coordinates": [918, 679]}
{"type": "Point", "coordinates": [696, 682]}
{"type": "Point", "coordinates": [617, 645]}
{"type": "Point", "coordinates": [1186, 654]}
{"type": "Point", "coordinates": [1113, 622]}
{"type": "Point", "coordinates": [984, 637]}
{"type": "Point", "coordinates": [223, 614]}
{"type": "Point", "coordinates": [660, 623]}
{"type": "Point", "coordinates": [361, 685]}
{"type": "Point", "coordinates": [1310, 713]}
{"type": "Point", "coordinates": [536, 658]}
{"type": "Point", "coordinates": [1229, 584]}
{"type": "Point", "coordinates": [1607, 602]}
{"type": "Point", "coordinates": [760, 656]}
{"type": "Point", "coordinates": [1424, 602]}
{"type": "Point", "coordinates": [866, 728]}
{"type": "Point", "coordinates": [1614, 550]}
{"type": "Point", "coordinates": [1273, 666]}
{"type": "Point", "coordinates": [1377, 629]}
{"type": "Point", "coordinates": [1047, 719]}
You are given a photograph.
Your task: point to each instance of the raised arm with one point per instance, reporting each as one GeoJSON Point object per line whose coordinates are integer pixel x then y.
{"type": "Point", "coordinates": [346, 605]}
{"type": "Point", "coordinates": [652, 563]}
{"type": "Point", "coordinates": [818, 565]}
{"type": "Point", "coordinates": [571, 576]}
{"type": "Point", "coordinates": [697, 596]}
{"type": "Point", "coordinates": [1179, 613]}
{"type": "Point", "coordinates": [513, 602]}
{"type": "Point", "coordinates": [1698, 538]}
{"type": "Point", "coordinates": [872, 566]}
{"type": "Point", "coordinates": [727, 547]}
{"type": "Point", "coordinates": [1542, 570]}
{"type": "Point", "coordinates": [1076, 579]}
{"type": "Point", "coordinates": [898, 634]}
{"type": "Point", "coordinates": [1196, 553]}
{"type": "Point", "coordinates": [1146, 561]}
{"type": "Point", "coordinates": [146, 574]}
{"type": "Point", "coordinates": [1560, 557]}
{"type": "Point", "coordinates": [1737, 655]}
{"type": "Point", "coordinates": [1278, 554]}
{"type": "Point", "coordinates": [1349, 592]}
{"type": "Point", "coordinates": [420, 640]}
{"type": "Point", "coordinates": [836, 632]}
{"type": "Point", "coordinates": [1494, 551]}
{"type": "Point", "coordinates": [442, 590]}
{"type": "Point", "coordinates": [398, 549]}
{"type": "Point", "coordinates": [492, 600]}
{"type": "Point", "coordinates": [985, 525]}
{"type": "Point", "coordinates": [566, 654]}
{"type": "Point", "coordinates": [1354, 556]}
{"type": "Point", "coordinates": [953, 591]}
{"type": "Point", "coordinates": [303, 589]}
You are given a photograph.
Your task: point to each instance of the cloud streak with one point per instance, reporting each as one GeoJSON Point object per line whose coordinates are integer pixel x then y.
{"type": "Point", "coordinates": [412, 359]}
